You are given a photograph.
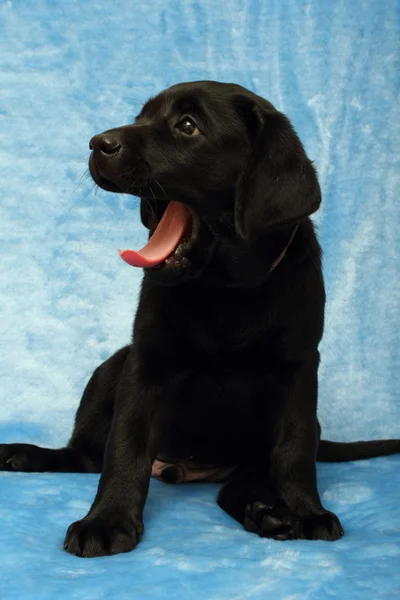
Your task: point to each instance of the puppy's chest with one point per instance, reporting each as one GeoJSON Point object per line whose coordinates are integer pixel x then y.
{"type": "Point", "coordinates": [224, 363]}
{"type": "Point", "coordinates": [217, 414]}
{"type": "Point", "coordinates": [227, 328]}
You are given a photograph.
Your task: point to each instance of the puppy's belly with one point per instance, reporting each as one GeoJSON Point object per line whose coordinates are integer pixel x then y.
{"type": "Point", "coordinates": [187, 470]}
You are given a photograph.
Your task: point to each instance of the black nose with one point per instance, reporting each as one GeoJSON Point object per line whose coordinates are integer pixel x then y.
{"type": "Point", "coordinates": [106, 143]}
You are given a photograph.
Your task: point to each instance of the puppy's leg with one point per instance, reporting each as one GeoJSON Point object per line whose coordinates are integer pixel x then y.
{"type": "Point", "coordinates": [249, 498]}
{"type": "Point", "coordinates": [115, 521]}
{"type": "Point", "coordinates": [281, 501]}
{"type": "Point", "coordinates": [85, 450]}
{"type": "Point", "coordinates": [293, 460]}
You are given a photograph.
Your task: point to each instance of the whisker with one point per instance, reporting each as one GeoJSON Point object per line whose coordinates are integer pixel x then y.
{"type": "Point", "coordinates": [151, 189]}
{"type": "Point", "coordinates": [126, 174]}
{"type": "Point", "coordinates": [161, 188]}
{"type": "Point", "coordinates": [130, 188]}
{"type": "Point", "coordinates": [84, 177]}
{"type": "Point", "coordinates": [90, 191]}
{"type": "Point", "coordinates": [150, 206]}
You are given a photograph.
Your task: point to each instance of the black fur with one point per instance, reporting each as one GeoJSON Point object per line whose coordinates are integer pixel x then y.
{"type": "Point", "coordinates": [222, 369]}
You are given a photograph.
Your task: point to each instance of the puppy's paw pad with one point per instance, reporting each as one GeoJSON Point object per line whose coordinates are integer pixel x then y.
{"type": "Point", "coordinates": [325, 526]}
{"type": "Point", "coordinates": [95, 536]}
{"type": "Point", "coordinates": [271, 521]}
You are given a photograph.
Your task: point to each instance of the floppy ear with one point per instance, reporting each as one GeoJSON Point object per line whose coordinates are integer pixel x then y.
{"type": "Point", "coordinates": [279, 184]}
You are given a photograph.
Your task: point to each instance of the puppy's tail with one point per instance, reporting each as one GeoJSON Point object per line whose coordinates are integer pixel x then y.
{"type": "Point", "coordinates": [344, 451]}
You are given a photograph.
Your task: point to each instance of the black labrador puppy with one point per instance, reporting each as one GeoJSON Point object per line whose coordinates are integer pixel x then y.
{"type": "Point", "coordinates": [220, 381]}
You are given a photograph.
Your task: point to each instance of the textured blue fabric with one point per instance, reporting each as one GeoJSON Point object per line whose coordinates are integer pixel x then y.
{"type": "Point", "coordinates": [71, 69]}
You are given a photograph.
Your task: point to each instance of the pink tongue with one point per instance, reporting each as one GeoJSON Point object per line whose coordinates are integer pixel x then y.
{"type": "Point", "coordinates": [164, 240]}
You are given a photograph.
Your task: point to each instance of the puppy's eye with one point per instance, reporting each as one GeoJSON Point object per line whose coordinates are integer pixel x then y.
{"type": "Point", "coordinates": [188, 126]}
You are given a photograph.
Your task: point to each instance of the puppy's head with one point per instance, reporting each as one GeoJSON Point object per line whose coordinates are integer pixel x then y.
{"type": "Point", "coordinates": [213, 165]}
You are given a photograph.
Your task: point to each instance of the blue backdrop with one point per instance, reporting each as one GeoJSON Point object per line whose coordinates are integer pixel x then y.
{"type": "Point", "coordinates": [71, 69]}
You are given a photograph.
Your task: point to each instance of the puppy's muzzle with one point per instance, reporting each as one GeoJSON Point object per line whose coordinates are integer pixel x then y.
{"type": "Point", "coordinates": [116, 162]}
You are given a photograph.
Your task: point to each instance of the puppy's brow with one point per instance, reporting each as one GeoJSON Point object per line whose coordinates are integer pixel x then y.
{"type": "Point", "coordinates": [152, 108]}
{"type": "Point", "coordinates": [188, 104]}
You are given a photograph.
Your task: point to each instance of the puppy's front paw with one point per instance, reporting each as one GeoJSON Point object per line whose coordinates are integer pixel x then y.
{"type": "Point", "coordinates": [271, 521]}
{"type": "Point", "coordinates": [325, 526]}
{"type": "Point", "coordinates": [277, 522]}
{"type": "Point", "coordinates": [99, 536]}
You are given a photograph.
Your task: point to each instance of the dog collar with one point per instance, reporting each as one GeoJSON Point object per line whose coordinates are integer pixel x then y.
{"type": "Point", "coordinates": [282, 254]}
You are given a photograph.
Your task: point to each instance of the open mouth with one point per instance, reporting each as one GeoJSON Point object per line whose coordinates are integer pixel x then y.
{"type": "Point", "coordinates": [168, 243]}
